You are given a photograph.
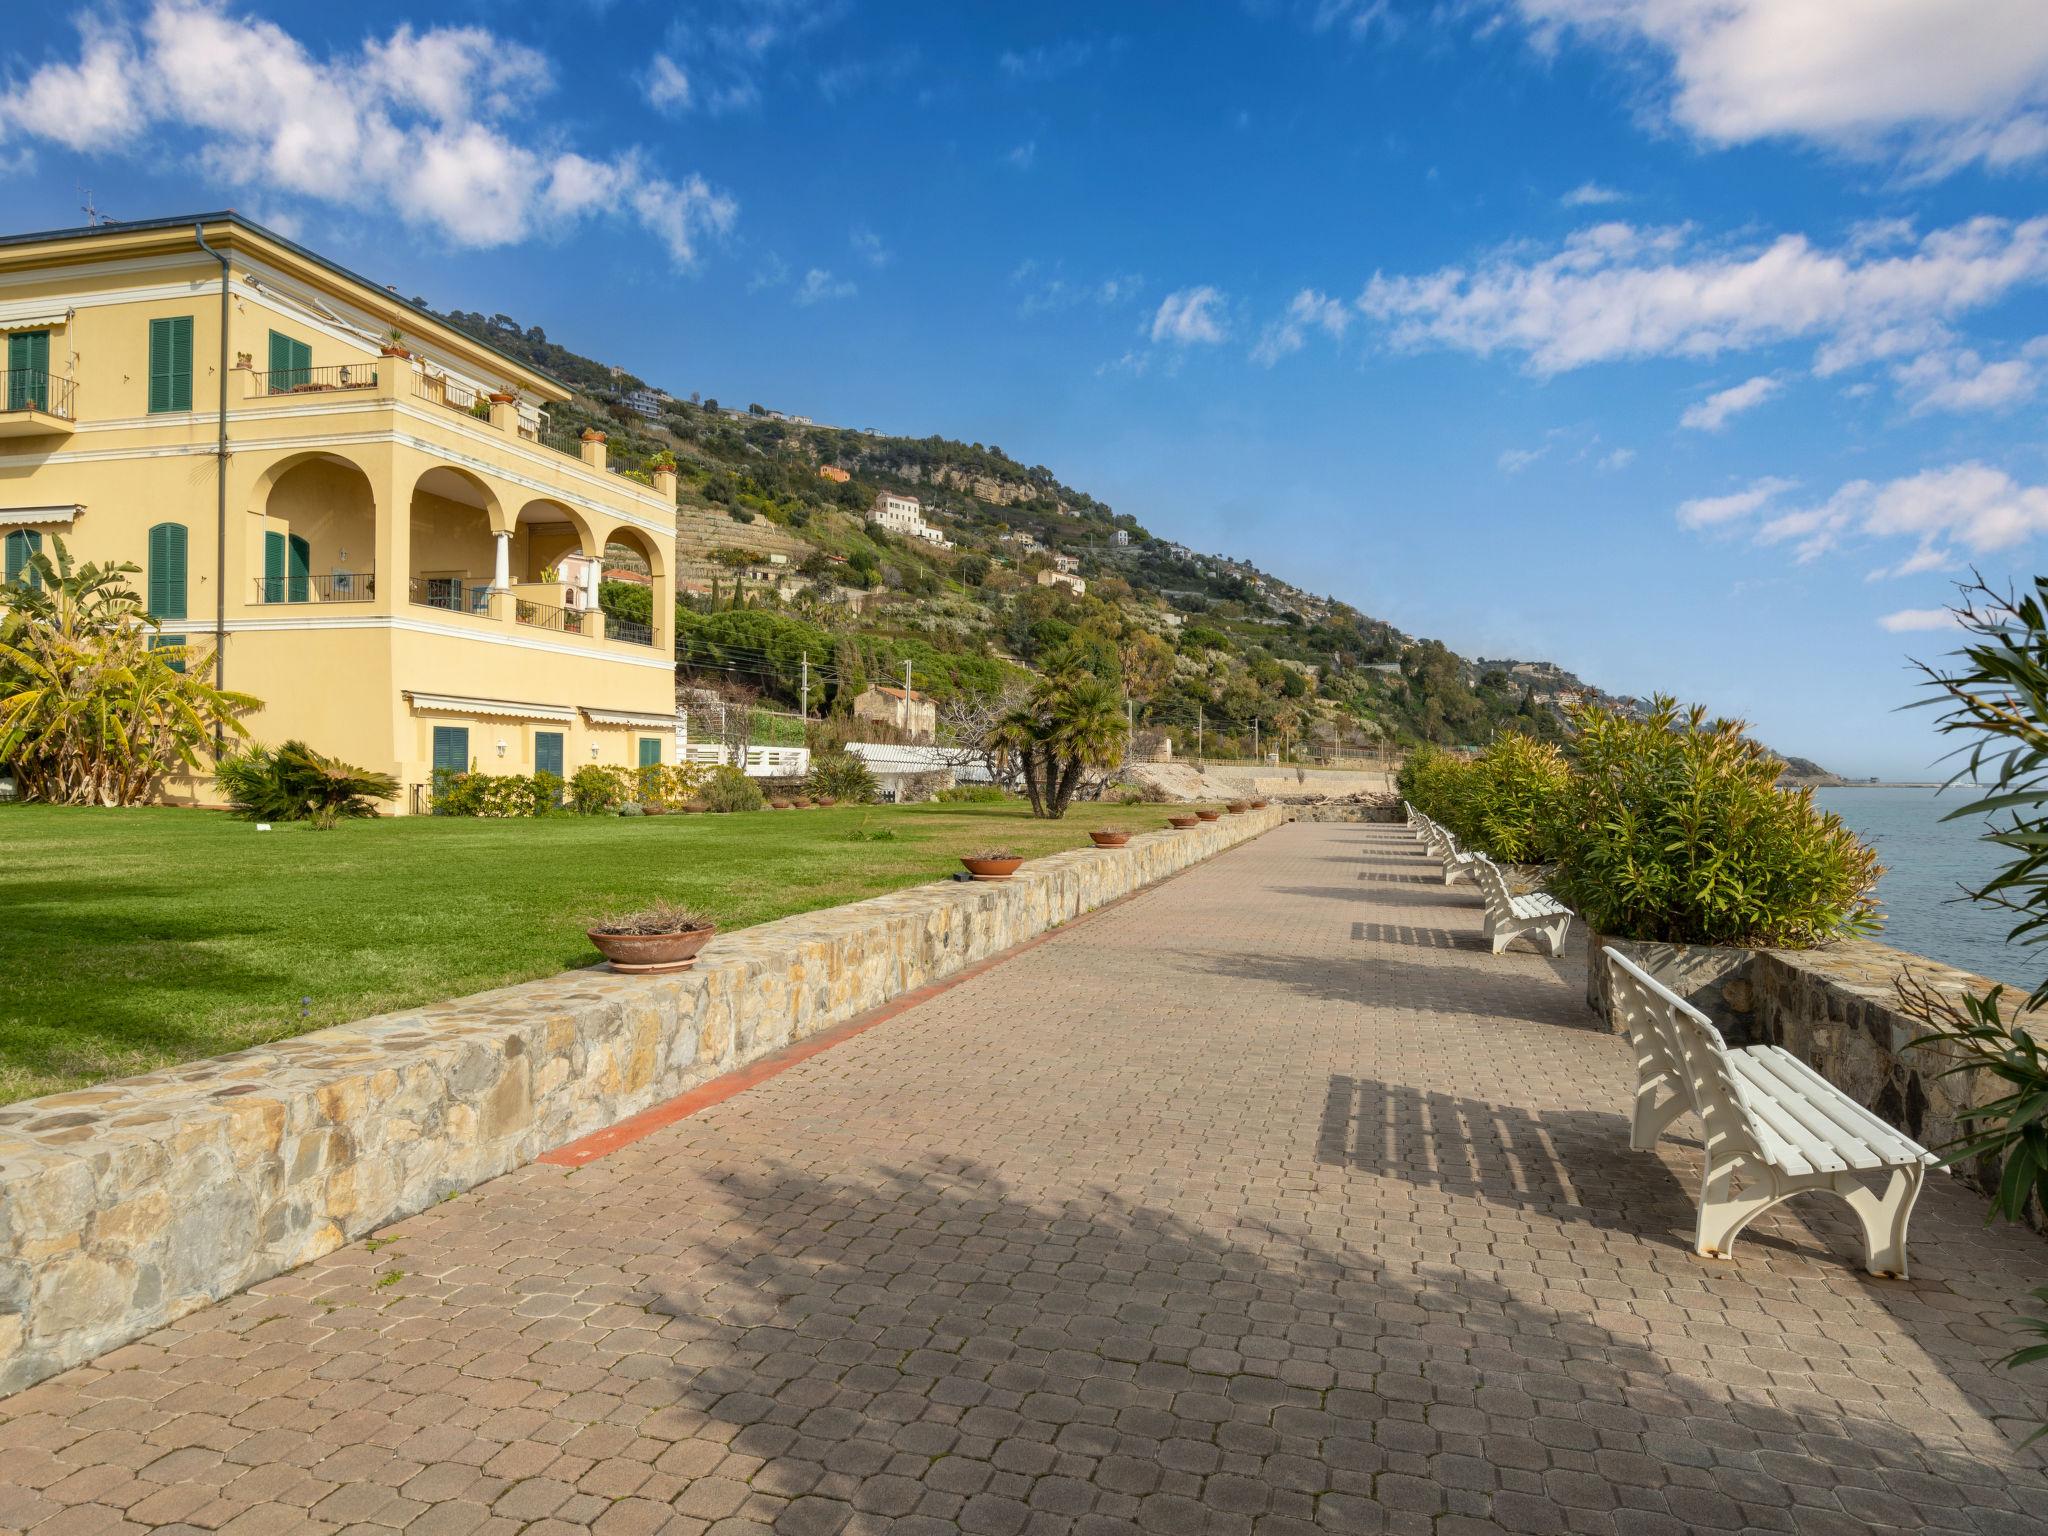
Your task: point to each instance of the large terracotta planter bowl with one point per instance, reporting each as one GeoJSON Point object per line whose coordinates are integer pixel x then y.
{"type": "Point", "coordinates": [992, 869]}
{"type": "Point", "coordinates": [1109, 839]}
{"type": "Point", "coordinates": [1208, 815]}
{"type": "Point", "coordinates": [640, 954]}
{"type": "Point", "coordinates": [778, 805]}
{"type": "Point", "coordinates": [1238, 807]}
{"type": "Point", "coordinates": [1182, 821]}
{"type": "Point", "coordinates": [828, 799]}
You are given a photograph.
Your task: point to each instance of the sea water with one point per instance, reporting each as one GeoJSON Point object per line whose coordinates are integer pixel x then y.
{"type": "Point", "coordinates": [1927, 863]}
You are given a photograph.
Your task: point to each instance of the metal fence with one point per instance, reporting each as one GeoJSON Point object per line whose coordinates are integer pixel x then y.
{"type": "Point", "coordinates": [309, 381]}
{"type": "Point", "coordinates": [331, 587]}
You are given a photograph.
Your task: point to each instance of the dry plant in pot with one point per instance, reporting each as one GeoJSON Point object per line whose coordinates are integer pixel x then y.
{"type": "Point", "coordinates": [992, 863]}
{"type": "Point", "coordinates": [828, 800]}
{"type": "Point", "coordinates": [1260, 804]}
{"type": "Point", "coordinates": [778, 805]}
{"type": "Point", "coordinates": [1208, 813]}
{"type": "Point", "coordinates": [1238, 807]}
{"type": "Point", "coordinates": [1109, 837]}
{"type": "Point", "coordinates": [662, 936]}
{"type": "Point", "coordinates": [1187, 820]}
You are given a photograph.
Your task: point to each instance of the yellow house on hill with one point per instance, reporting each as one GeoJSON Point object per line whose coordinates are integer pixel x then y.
{"type": "Point", "coordinates": [370, 529]}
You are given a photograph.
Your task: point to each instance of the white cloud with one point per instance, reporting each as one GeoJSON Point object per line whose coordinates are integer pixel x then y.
{"type": "Point", "coordinates": [725, 47]}
{"type": "Point", "coordinates": [1190, 315]}
{"type": "Point", "coordinates": [1058, 292]}
{"type": "Point", "coordinates": [424, 122]}
{"type": "Point", "coordinates": [1024, 155]}
{"type": "Point", "coordinates": [1620, 458]}
{"type": "Point", "coordinates": [1960, 379]}
{"type": "Point", "coordinates": [1935, 82]}
{"type": "Point", "coordinates": [820, 285]}
{"type": "Point", "coordinates": [1712, 511]}
{"type": "Point", "coordinates": [1910, 620]}
{"type": "Point", "coordinates": [869, 247]}
{"type": "Point", "coordinates": [1615, 291]}
{"type": "Point", "coordinates": [668, 86]}
{"type": "Point", "coordinates": [1590, 194]}
{"type": "Point", "coordinates": [773, 272]}
{"type": "Point", "coordinates": [1514, 460]}
{"type": "Point", "coordinates": [1048, 61]}
{"type": "Point", "coordinates": [1310, 309]}
{"type": "Point", "coordinates": [1971, 506]}
{"type": "Point", "coordinates": [1714, 412]}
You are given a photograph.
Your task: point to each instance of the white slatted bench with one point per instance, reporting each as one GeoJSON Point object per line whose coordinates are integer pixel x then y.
{"type": "Point", "coordinates": [1458, 863]}
{"type": "Point", "coordinates": [1772, 1125]}
{"type": "Point", "coordinates": [1509, 917]}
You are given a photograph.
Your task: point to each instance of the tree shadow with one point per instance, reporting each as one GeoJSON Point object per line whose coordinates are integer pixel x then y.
{"type": "Point", "coordinates": [1528, 987]}
{"type": "Point", "coordinates": [1420, 938]}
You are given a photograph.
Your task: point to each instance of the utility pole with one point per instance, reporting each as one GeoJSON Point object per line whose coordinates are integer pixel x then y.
{"type": "Point", "coordinates": [906, 698]}
{"type": "Point", "coordinates": [1198, 732]}
{"type": "Point", "coordinates": [806, 706]}
{"type": "Point", "coordinates": [1255, 738]}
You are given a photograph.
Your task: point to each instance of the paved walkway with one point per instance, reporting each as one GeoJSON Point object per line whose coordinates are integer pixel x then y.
{"type": "Point", "coordinates": [1266, 1202]}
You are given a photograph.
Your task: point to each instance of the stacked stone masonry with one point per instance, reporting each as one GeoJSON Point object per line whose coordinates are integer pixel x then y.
{"type": "Point", "coordinates": [125, 1206]}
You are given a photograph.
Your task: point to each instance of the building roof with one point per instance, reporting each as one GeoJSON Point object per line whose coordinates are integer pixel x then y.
{"type": "Point", "coordinates": [896, 693]}
{"type": "Point", "coordinates": [228, 221]}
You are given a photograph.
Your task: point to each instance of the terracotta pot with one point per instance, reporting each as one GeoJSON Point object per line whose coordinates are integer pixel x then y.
{"type": "Point", "coordinates": [1182, 821]}
{"type": "Point", "coordinates": [695, 807]}
{"type": "Point", "coordinates": [828, 799]}
{"type": "Point", "coordinates": [1238, 807]}
{"type": "Point", "coordinates": [644, 953]}
{"type": "Point", "coordinates": [389, 351]}
{"type": "Point", "coordinates": [1208, 815]}
{"type": "Point", "coordinates": [991, 869]}
{"type": "Point", "coordinates": [778, 805]}
{"type": "Point", "coordinates": [499, 397]}
{"type": "Point", "coordinates": [1260, 805]}
{"type": "Point", "coordinates": [1109, 839]}
{"type": "Point", "coordinates": [801, 802]}
{"type": "Point", "coordinates": [653, 810]}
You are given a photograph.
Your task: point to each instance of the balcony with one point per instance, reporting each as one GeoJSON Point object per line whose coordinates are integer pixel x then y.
{"type": "Point", "coordinates": [332, 587]}
{"type": "Point", "coordinates": [36, 403]}
{"type": "Point", "coordinates": [451, 594]}
{"type": "Point", "coordinates": [314, 381]}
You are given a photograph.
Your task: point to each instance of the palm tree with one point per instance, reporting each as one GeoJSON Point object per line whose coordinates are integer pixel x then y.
{"type": "Point", "coordinates": [1071, 722]}
{"type": "Point", "coordinates": [94, 710]}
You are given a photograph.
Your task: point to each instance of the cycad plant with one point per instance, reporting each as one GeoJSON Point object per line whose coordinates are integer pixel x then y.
{"type": "Point", "coordinates": [94, 710]}
{"type": "Point", "coordinates": [295, 783]}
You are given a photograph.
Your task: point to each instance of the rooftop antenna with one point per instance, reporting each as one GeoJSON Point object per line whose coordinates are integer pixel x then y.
{"type": "Point", "coordinates": [93, 216]}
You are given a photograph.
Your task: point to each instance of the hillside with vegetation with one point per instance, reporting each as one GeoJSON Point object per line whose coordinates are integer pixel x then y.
{"type": "Point", "coordinates": [779, 566]}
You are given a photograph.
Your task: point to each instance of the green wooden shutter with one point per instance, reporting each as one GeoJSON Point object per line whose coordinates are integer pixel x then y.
{"type": "Point", "coordinates": [28, 370]}
{"type": "Point", "coordinates": [300, 569]}
{"type": "Point", "coordinates": [170, 364]}
{"type": "Point", "coordinates": [291, 363]}
{"type": "Point", "coordinates": [650, 751]}
{"type": "Point", "coordinates": [547, 752]}
{"type": "Point", "coordinates": [167, 571]}
{"type": "Point", "coordinates": [451, 749]}
{"type": "Point", "coordinates": [273, 567]}
{"type": "Point", "coordinates": [21, 544]}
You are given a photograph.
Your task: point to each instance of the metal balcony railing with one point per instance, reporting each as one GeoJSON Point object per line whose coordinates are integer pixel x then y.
{"type": "Point", "coordinates": [452, 394]}
{"type": "Point", "coordinates": [451, 594]}
{"type": "Point", "coordinates": [37, 389]}
{"type": "Point", "coordinates": [308, 381]}
{"type": "Point", "coordinates": [568, 621]}
{"type": "Point", "coordinates": [628, 630]}
{"type": "Point", "coordinates": [328, 587]}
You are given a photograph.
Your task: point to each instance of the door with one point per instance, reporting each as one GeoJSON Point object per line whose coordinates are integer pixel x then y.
{"type": "Point", "coordinates": [291, 364]}
{"type": "Point", "coordinates": [28, 371]}
{"type": "Point", "coordinates": [547, 756]}
{"type": "Point", "coordinates": [298, 570]}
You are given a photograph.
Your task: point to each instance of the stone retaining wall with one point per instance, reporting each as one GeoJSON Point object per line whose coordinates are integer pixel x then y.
{"type": "Point", "coordinates": [130, 1204]}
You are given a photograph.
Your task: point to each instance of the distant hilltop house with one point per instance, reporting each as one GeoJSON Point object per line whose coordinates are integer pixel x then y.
{"type": "Point", "coordinates": [1121, 538]}
{"type": "Point", "coordinates": [905, 515]}
{"type": "Point", "coordinates": [910, 712]}
{"type": "Point", "coordinates": [1065, 563]}
{"type": "Point", "coordinates": [621, 573]}
{"type": "Point", "coordinates": [646, 402]}
{"type": "Point", "coordinates": [1067, 579]}
{"type": "Point", "coordinates": [833, 473]}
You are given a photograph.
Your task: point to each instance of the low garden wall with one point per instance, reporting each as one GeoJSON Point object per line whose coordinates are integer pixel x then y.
{"type": "Point", "coordinates": [1837, 1010]}
{"type": "Point", "coordinates": [127, 1205]}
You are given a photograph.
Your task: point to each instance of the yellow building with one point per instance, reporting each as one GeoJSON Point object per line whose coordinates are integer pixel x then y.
{"type": "Point", "coordinates": [349, 497]}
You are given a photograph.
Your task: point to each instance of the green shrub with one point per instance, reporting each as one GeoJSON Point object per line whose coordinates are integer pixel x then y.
{"type": "Point", "coordinates": [495, 795]}
{"type": "Point", "coordinates": [841, 776]}
{"type": "Point", "coordinates": [730, 790]}
{"type": "Point", "coordinates": [1440, 784]}
{"type": "Point", "coordinates": [598, 788]}
{"type": "Point", "coordinates": [974, 794]}
{"type": "Point", "coordinates": [1674, 830]}
{"type": "Point", "coordinates": [294, 783]}
{"type": "Point", "coordinates": [1517, 791]}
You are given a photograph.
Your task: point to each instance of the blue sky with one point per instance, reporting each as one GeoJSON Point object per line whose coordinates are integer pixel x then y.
{"type": "Point", "coordinates": [1695, 344]}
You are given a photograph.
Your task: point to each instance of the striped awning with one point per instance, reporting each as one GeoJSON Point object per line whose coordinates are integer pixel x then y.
{"type": "Point", "coordinates": [40, 321]}
{"type": "Point", "coordinates": [30, 517]}
{"type": "Point", "coordinates": [626, 717]}
{"type": "Point", "coordinates": [506, 709]}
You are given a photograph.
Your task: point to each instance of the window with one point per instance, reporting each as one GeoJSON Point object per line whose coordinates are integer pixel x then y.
{"type": "Point", "coordinates": [291, 363]}
{"type": "Point", "coordinates": [167, 571]}
{"type": "Point", "coordinates": [170, 364]}
{"type": "Point", "coordinates": [547, 752]}
{"type": "Point", "coordinates": [21, 544]}
{"type": "Point", "coordinates": [287, 568]}
{"type": "Point", "coordinates": [160, 642]}
{"type": "Point", "coordinates": [28, 371]}
{"type": "Point", "coordinates": [451, 749]}
{"type": "Point", "coordinates": [650, 751]}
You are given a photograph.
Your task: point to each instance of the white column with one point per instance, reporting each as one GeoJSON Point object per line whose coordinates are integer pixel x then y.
{"type": "Point", "coordinates": [501, 578]}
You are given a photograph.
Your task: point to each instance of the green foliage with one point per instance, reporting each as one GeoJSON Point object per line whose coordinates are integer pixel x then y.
{"type": "Point", "coordinates": [93, 709]}
{"type": "Point", "coordinates": [973, 794]}
{"type": "Point", "coordinates": [597, 789]}
{"type": "Point", "coordinates": [840, 776]}
{"type": "Point", "coordinates": [1072, 723]}
{"type": "Point", "coordinates": [2008, 1134]}
{"type": "Point", "coordinates": [1440, 784]}
{"type": "Point", "coordinates": [631, 600]}
{"type": "Point", "coordinates": [1675, 830]}
{"type": "Point", "coordinates": [495, 795]}
{"type": "Point", "coordinates": [294, 783]}
{"type": "Point", "coordinates": [730, 790]}
{"type": "Point", "coordinates": [1519, 790]}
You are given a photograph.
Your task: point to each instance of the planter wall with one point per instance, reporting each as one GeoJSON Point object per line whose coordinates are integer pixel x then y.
{"type": "Point", "coordinates": [130, 1204]}
{"type": "Point", "coordinates": [1713, 978]}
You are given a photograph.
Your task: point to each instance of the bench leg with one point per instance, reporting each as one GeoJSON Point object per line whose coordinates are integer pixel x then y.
{"type": "Point", "coordinates": [1653, 1119]}
{"type": "Point", "coordinates": [1723, 1213]}
{"type": "Point", "coordinates": [1553, 935]}
{"type": "Point", "coordinates": [1884, 1217]}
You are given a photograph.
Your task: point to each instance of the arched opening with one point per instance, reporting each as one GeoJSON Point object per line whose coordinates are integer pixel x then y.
{"type": "Point", "coordinates": [454, 553]}
{"type": "Point", "coordinates": [630, 588]}
{"type": "Point", "coordinates": [553, 575]}
{"type": "Point", "coordinates": [319, 534]}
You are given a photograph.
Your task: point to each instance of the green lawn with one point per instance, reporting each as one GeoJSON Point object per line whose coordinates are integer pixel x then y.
{"type": "Point", "coordinates": [133, 939]}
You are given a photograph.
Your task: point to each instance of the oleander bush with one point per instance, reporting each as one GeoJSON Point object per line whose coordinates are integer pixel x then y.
{"type": "Point", "coordinates": [1674, 829]}
{"type": "Point", "coordinates": [1518, 788]}
{"type": "Point", "coordinates": [1440, 784]}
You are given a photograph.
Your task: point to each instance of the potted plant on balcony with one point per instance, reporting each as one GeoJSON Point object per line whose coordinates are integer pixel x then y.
{"type": "Point", "coordinates": [1109, 837]}
{"type": "Point", "coordinates": [394, 344]}
{"type": "Point", "coordinates": [992, 863]}
{"type": "Point", "coordinates": [662, 461]}
{"type": "Point", "coordinates": [501, 397]}
{"type": "Point", "coordinates": [592, 435]}
{"type": "Point", "coordinates": [660, 937]}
